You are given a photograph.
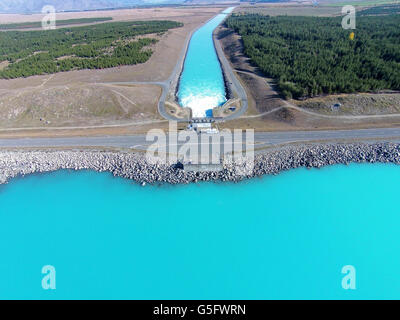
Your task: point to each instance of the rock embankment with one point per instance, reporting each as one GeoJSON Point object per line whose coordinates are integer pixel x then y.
{"type": "Point", "coordinates": [136, 167]}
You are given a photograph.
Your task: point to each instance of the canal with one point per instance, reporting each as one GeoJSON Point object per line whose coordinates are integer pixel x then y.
{"type": "Point", "coordinates": [201, 85]}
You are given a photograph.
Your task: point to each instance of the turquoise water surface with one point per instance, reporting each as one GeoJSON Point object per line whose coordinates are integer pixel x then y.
{"type": "Point", "coordinates": [201, 86]}
{"type": "Point", "coordinates": [276, 237]}
{"type": "Point", "coordinates": [285, 236]}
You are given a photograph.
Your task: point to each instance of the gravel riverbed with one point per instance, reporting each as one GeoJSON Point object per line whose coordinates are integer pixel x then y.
{"type": "Point", "coordinates": [136, 167]}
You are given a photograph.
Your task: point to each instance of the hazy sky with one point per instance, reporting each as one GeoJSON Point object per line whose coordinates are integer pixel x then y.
{"type": "Point", "coordinates": [28, 6]}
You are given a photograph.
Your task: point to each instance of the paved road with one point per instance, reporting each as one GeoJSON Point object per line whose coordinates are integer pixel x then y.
{"type": "Point", "coordinates": [261, 139]}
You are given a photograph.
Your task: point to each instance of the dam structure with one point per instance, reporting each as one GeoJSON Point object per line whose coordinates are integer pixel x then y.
{"type": "Point", "coordinates": [201, 84]}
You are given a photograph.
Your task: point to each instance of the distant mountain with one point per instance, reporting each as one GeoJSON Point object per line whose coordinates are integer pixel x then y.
{"type": "Point", "coordinates": [33, 6]}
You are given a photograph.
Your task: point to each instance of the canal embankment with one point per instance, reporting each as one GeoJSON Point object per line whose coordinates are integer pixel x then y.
{"type": "Point", "coordinates": [217, 66]}
{"type": "Point", "coordinates": [169, 97]}
{"type": "Point", "coordinates": [134, 166]}
{"type": "Point", "coordinates": [233, 86]}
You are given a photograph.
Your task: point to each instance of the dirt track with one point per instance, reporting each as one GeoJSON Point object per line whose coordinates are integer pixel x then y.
{"type": "Point", "coordinates": [132, 103]}
{"type": "Point", "coordinates": [269, 112]}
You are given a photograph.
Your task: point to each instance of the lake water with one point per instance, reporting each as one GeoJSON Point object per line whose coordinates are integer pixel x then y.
{"type": "Point", "coordinates": [201, 86]}
{"type": "Point", "coordinates": [276, 237]}
{"type": "Point", "coordinates": [285, 236]}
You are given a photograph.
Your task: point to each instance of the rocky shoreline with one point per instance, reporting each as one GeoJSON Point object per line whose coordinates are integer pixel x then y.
{"type": "Point", "coordinates": [137, 168]}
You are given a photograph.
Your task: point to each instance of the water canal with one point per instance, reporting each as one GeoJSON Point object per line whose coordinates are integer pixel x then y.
{"type": "Point", "coordinates": [201, 85]}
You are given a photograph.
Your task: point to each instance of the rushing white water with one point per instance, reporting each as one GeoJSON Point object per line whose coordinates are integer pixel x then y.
{"type": "Point", "coordinates": [201, 85]}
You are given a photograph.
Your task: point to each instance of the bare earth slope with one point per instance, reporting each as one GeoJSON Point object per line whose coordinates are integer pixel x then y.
{"type": "Point", "coordinates": [269, 112]}
{"type": "Point", "coordinates": [86, 98]}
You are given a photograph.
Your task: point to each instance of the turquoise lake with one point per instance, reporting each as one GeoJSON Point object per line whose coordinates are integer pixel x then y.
{"type": "Point", "coordinates": [201, 85]}
{"type": "Point", "coordinates": [276, 237]}
{"type": "Point", "coordinates": [285, 236]}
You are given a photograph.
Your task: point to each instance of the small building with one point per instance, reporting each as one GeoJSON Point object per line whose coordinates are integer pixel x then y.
{"type": "Point", "coordinates": [204, 128]}
{"type": "Point", "coordinates": [200, 167]}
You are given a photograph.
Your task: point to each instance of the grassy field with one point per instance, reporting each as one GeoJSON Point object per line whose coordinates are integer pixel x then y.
{"type": "Point", "coordinates": [381, 10]}
{"type": "Point", "coordinates": [90, 47]}
{"type": "Point", "coordinates": [294, 10]}
{"type": "Point", "coordinates": [322, 10]}
{"type": "Point", "coordinates": [361, 3]}
{"type": "Point", "coordinates": [354, 104]}
{"type": "Point", "coordinates": [37, 24]}
{"type": "Point", "coordinates": [81, 98]}
{"type": "Point", "coordinates": [78, 104]}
